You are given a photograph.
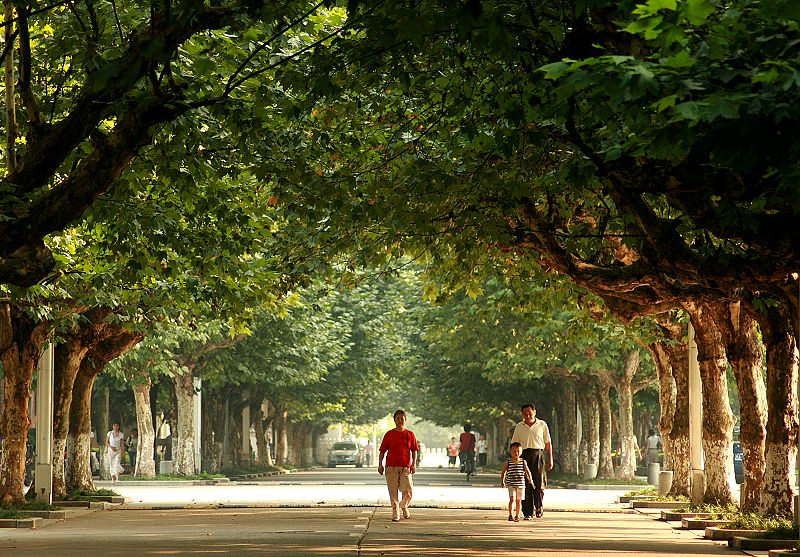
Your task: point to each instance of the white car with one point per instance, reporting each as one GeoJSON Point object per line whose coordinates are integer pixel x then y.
{"type": "Point", "coordinates": [345, 452]}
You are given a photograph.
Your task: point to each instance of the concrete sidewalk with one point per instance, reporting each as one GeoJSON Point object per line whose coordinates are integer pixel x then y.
{"type": "Point", "coordinates": [357, 530]}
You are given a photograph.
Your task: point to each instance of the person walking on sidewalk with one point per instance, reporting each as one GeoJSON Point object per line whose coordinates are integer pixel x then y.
{"type": "Point", "coordinates": [115, 444]}
{"type": "Point", "coordinates": [537, 451]}
{"type": "Point", "coordinates": [452, 452]}
{"type": "Point", "coordinates": [515, 472]}
{"type": "Point", "coordinates": [483, 455]}
{"type": "Point", "coordinates": [401, 445]}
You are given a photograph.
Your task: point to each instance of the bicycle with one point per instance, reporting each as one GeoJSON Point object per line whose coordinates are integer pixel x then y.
{"type": "Point", "coordinates": [468, 466]}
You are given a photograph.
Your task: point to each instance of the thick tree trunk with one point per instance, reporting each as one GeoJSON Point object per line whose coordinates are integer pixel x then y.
{"type": "Point", "coordinates": [103, 425]}
{"type": "Point", "coordinates": [214, 419]}
{"type": "Point", "coordinates": [116, 341]}
{"type": "Point", "coordinates": [145, 462]}
{"type": "Point", "coordinates": [281, 438]}
{"type": "Point", "coordinates": [183, 447]}
{"type": "Point", "coordinates": [78, 341]}
{"type": "Point", "coordinates": [679, 434]}
{"type": "Point", "coordinates": [718, 419]}
{"type": "Point", "coordinates": [667, 393]}
{"type": "Point", "coordinates": [304, 435]}
{"type": "Point", "coordinates": [21, 342]}
{"type": "Point", "coordinates": [740, 335]}
{"type": "Point", "coordinates": [79, 474]}
{"type": "Point", "coordinates": [605, 468]}
{"type": "Point", "coordinates": [781, 441]}
{"type": "Point", "coordinates": [624, 388]}
{"type": "Point", "coordinates": [235, 434]}
{"type": "Point", "coordinates": [590, 429]}
{"type": "Point", "coordinates": [568, 430]}
{"type": "Point", "coordinates": [257, 415]}
{"type": "Point", "coordinates": [67, 362]}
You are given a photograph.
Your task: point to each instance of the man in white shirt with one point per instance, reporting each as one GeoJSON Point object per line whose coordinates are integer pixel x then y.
{"type": "Point", "coordinates": [652, 443]}
{"type": "Point", "coordinates": [537, 450]}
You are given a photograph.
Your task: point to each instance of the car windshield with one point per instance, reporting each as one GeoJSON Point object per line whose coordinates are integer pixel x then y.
{"type": "Point", "coordinates": [344, 446]}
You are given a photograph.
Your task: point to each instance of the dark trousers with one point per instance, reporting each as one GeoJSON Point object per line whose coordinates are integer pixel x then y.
{"type": "Point", "coordinates": [533, 493]}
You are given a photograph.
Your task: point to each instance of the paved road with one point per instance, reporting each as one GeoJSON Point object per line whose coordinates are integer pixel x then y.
{"type": "Point", "coordinates": [331, 513]}
{"type": "Point", "coordinates": [357, 531]}
{"type": "Point", "coordinates": [350, 486]}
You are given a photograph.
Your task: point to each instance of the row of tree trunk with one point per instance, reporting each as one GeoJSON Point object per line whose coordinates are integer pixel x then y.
{"type": "Point", "coordinates": [726, 335]}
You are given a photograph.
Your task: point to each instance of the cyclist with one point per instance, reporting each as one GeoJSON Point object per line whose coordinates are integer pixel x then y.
{"type": "Point", "coordinates": [466, 450]}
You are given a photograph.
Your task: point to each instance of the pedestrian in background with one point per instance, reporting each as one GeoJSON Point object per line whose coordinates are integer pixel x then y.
{"type": "Point", "coordinates": [368, 451]}
{"type": "Point", "coordinates": [114, 446]}
{"type": "Point", "coordinates": [537, 451]}
{"type": "Point", "coordinates": [452, 452]}
{"type": "Point", "coordinates": [132, 445]}
{"type": "Point", "coordinates": [401, 446]}
{"type": "Point", "coordinates": [482, 454]}
{"type": "Point", "coordinates": [652, 444]}
{"type": "Point", "coordinates": [466, 450]}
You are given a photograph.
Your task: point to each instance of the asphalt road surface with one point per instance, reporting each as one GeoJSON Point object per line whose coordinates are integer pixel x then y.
{"type": "Point", "coordinates": [345, 512]}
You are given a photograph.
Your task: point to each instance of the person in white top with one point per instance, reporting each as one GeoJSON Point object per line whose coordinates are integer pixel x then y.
{"type": "Point", "coordinates": [652, 444]}
{"type": "Point", "coordinates": [114, 447]}
{"type": "Point", "coordinates": [534, 437]}
{"type": "Point", "coordinates": [482, 449]}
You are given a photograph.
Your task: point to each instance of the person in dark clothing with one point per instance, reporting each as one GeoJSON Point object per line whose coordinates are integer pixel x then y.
{"type": "Point", "coordinates": [534, 437]}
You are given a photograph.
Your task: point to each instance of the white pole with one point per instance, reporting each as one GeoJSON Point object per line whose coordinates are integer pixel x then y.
{"type": "Point", "coordinates": [43, 482]}
{"type": "Point", "coordinates": [695, 422]}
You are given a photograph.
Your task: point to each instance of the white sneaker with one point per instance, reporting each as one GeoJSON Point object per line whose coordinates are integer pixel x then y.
{"type": "Point", "coordinates": [406, 514]}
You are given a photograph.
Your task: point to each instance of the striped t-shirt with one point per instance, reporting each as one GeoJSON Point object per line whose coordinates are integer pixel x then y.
{"type": "Point", "coordinates": [515, 474]}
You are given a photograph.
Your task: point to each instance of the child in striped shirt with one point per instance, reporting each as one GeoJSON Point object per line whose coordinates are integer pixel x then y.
{"type": "Point", "coordinates": [515, 472]}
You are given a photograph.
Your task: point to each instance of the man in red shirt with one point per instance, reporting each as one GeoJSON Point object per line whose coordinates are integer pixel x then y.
{"type": "Point", "coordinates": [401, 444]}
{"type": "Point", "coordinates": [466, 449]}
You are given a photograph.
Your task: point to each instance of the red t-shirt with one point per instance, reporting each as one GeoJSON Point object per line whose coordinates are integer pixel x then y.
{"type": "Point", "coordinates": [467, 442]}
{"type": "Point", "coordinates": [399, 445]}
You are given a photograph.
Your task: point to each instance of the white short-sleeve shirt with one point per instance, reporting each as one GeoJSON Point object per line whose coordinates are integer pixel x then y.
{"type": "Point", "coordinates": [535, 436]}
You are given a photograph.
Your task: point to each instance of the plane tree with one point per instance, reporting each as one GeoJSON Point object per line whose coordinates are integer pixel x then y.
{"type": "Point", "coordinates": [645, 151]}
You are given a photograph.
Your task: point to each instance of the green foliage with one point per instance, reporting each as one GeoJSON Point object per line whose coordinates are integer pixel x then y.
{"type": "Point", "coordinates": [776, 527]}
{"type": "Point", "coordinates": [19, 510]}
{"type": "Point", "coordinates": [172, 477]}
{"type": "Point", "coordinates": [87, 495]}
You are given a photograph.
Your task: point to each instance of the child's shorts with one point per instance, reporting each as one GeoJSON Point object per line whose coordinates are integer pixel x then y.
{"type": "Point", "coordinates": [515, 491]}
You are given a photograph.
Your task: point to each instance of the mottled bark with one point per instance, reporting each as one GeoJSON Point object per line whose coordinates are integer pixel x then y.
{"type": "Point", "coordinates": [183, 439]}
{"type": "Point", "coordinates": [667, 394]}
{"type": "Point", "coordinates": [145, 449]}
{"type": "Point", "coordinates": [21, 342]}
{"type": "Point", "coordinates": [718, 419]}
{"type": "Point", "coordinates": [568, 429]}
{"type": "Point", "coordinates": [67, 362]}
{"type": "Point", "coordinates": [679, 434]}
{"type": "Point", "coordinates": [303, 435]}
{"type": "Point", "coordinates": [590, 429]}
{"type": "Point", "coordinates": [605, 468]}
{"type": "Point", "coordinates": [118, 341]}
{"type": "Point", "coordinates": [624, 388]}
{"type": "Point", "coordinates": [213, 430]}
{"type": "Point", "coordinates": [79, 473]}
{"type": "Point", "coordinates": [781, 442]}
{"type": "Point", "coordinates": [82, 337]}
{"type": "Point", "coordinates": [743, 348]}
{"type": "Point", "coordinates": [281, 438]}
